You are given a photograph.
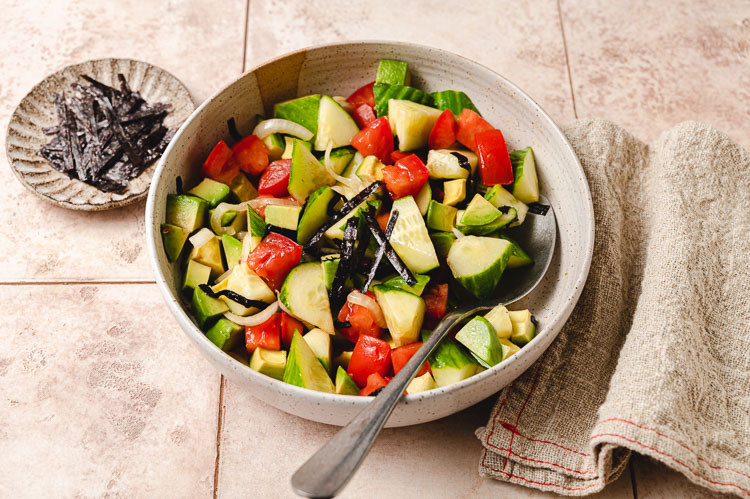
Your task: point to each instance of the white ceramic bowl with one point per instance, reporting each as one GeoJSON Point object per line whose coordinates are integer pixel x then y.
{"type": "Point", "coordinates": [338, 70]}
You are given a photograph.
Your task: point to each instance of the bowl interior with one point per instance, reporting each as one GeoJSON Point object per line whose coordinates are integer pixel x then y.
{"type": "Point", "coordinates": [338, 70]}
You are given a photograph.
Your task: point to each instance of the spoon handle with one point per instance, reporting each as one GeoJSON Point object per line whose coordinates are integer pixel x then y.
{"type": "Point", "coordinates": [329, 469]}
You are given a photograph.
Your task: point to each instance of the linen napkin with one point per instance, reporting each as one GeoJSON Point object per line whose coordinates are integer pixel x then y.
{"type": "Point", "coordinates": [655, 359]}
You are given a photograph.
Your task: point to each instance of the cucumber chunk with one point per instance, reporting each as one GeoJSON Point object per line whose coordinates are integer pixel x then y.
{"type": "Point", "coordinates": [256, 228]}
{"type": "Point", "coordinates": [186, 211]}
{"type": "Point", "coordinates": [524, 328]}
{"type": "Point", "coordinates": [245, 282]}
{"type": "Point", "coordinates": [225, 334]}
{"type": "Point", "coordinates": [330, 264]}
{"type": "Point", "coordinates": [307, 174]}
{"type": "Point", "coordinates": [269, 362]}
{"type": "Point", "coordinates": [339, 159]}
{"type": "Point", "coordinates": [440, 217]}
{"type": "Point", "coordinates": [519, 257]}
{"type": "Point", "coordinates": [173, 238]}
{"type": "Point", "coordinates": [393, 72]}
{"type": "Point", "coordinates": [417, 289]}
{"type": "Point", "coordinates": [304, 369]}
{"type": "Point", "coordinates": [334, 125]}
{"type": "Point", "coordinates": [302, 110]}
{"type": "Point", "coordinates": [499, 197]}
{"type": "Point", "coordinates": [480, 337]}
{"type": "Point", "coordinates": [345, 385]}
{"type": "Point", "coordinates": [212, 191]}
{"type": "Point", "coordinates": [449, 363]}
{"type": "Point", "coordinates": [304, 295]}
{"type": "Point", "coordinates": [421, 384]}
{"type": "Point", "coordinates": [424, 196]}
{"type": "Point", "coordinates": [412, 123]}
{"type": "Point", "coordinates": [525, 183]}
{"type": "Point", "coordinates": [276, 145]}
{"type": "Point", "coordinates": [285, 217]}
{"type": "Point", "coordinates": [454, 100]}
{"type": "Point", "coordinates": [289, 146]}
{"type": "Point", "coordinates": [403, 313]}
{"type": "Point", "coordinates": [384, 93]}
{"type": "Point", "coordinates": [478, 263]}
{"type": "Point", "coordinates": [500, 320]}
{"type": "Point", "coordinates": [320, 343]}
{"type": "Point", "coordinates": [315, 214]}
{"type": "Point", "coordinates": [410, 238]}
{"type": "Point", "coordinates": [444, 165]}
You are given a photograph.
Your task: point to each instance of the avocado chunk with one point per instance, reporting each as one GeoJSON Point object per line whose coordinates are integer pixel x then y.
{"type": "Point", "coordinates": [289, 146]}
{"type": "Point", "coordinates": [302, 110]}
{"type": "Point", "coordinates": [212, 191]}
{"type": "Point", "coordinates": [519, 257]}
{"type": "Point", "coordinates": [412, 123]}
{"type": "Point", "coordinates": [285, 217]}
{"type": "Point", "coordinates": [242, 189]}
{"type": "Point", "coordinates": [421, 384]}
{"type": "Point", "coordinates": [370, 169]}
{"type": "Point", "coordinates": [417, 289]}
{"type": "Point", "coordinates": [442, 241]}
{"type": "Point", "coordinates": [525, 183]}
{"type": "Point", "coordinates": [173, 238]}
{"type": "Point", "coordinates": [345, 385]}
{"type": "Point", "coordinates": [320, 343]}
{"type": "Point", "coordinates": [507, 347]}
{"type": "Point", "coordinates": [225, 334]}
{"type": "Point", "coordinates": [440, 216]}
{"type": "Point", "coordinates": [275, 144]}
{"type": "Point", "coordinates": [499, 197]}
{"type": "Point", "coordinates": [209, 254]}
{"type": "Point", "coordinates": [304, 369]}
{"type": "Point", "coordinates": [186, 211]}
{"type": "Point", "coordinates": [195, 275]}
{"type": "Point", "coordinates": [393, 72]}
{"type": "Point", "coordinates": [342, 359]}
{"type": "Point", "coordinates": [269, 362]}
{"type": "Point", "coordinates": [315, 213]}
{"type": "Point", "coordinates": [480, 338]}
{"type": "Point", "coordinates": [500, 320]}
{"type": "Point", "coordinates": [524, 328]}
{"type": "Point", "coordinates": [207, 309]}
{"type": "Point", "coordinates": [480, 212]}
{"type": "Point", "coordinates": [454, 191]}
{"type": "Point", "coordinates": [232, 249]}
{"type": "Point", "coordinates": [403, 311]}
{"type": "Point", "coordinates": [454, 100]}
{"type": "Point", "coordinates": [483, 229]}
{"type": "Point", "coordinates": [449, 363]}
{"type": "Point", "coordinates": [307, 174]}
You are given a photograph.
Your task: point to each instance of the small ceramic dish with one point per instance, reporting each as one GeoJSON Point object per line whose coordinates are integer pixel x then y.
{"type": "Point", "coordinates": [338, 70]}
{"type": "Point", "coordinates": [36, 111]}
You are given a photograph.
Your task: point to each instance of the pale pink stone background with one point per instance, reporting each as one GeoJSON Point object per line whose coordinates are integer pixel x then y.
{"type": "Point", "coordinates": [101, 394]}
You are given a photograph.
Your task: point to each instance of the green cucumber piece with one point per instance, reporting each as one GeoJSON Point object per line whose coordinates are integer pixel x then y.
{"type": "Point", "coordinates": [173, 238]}
{"type": "Point", "coordinates": [242, 189]}
{"type": "Point", "coordinates": [417, 289]}
{"type": "Point", "coordinates": [276, 145]}
{"type": "Point", "coordinates": [315, 214]}
{"type": "Point", "coordinates": [269, 362]}
{"type": "Point", "coordinates": [320, 343]}
{"type": "Point", "coordinates": [525, 183]}
{"type": "Point", "coordinates": [212, 191]}
{"type": "Point", "coordinates": [480, 337]}
{"type": "Point", "coordinates": [508, 347]}
{"type": "Point", "coordinates": [412, 123]}
{"type": "Point", "coordinates": [499, 197]}
{"type": "Point", "coordinates": [304, 295]}
{"type": "Point", "coordinates": [442, 241]}
{"type": "Point", "coordinates": [449, 363]}
{"type": "Point", "coordinates": [188, 212]}
{"type": "Point", "coordinates": [334, 125]}
{"type": "Point", "coordinates": [384, 93]}
{"type": "Point", "coordinates": [393, 72]}
{"type": "Point", "coordinates": [302, 110]}
{"type": "Point", "coordinates": [345, 385]}
{"type": "Point", "coordinates": [206, 309]}
{"type": "Point", "coordinates": [423, 198]}
{"type": "Point", "coordinates": [245, 282]}
{"type": "Point", "coordinates": [225, 334]}
{"type": "Point", "coordinates": [480, 212]}
{"type": "Point", "coordinates": [410, 238]}
{"type": "Point", "coordinates": [304, 369]}
{"type": "Point", "coordinates": [454, 100]}
{"type": "Point", "coordinates": [519, 257]}
{"type": "Point", "coordinates": [330, 264]}
{"type": "Point", "coordinates": [524, 328]}
{"type": "Point", "coordinates": [478, 263]}
{"type": "Point", "coordinates": [256, 227]}
{"type": "Point", "coordinates": [403, 313]}
{"type": "Point", "coordinates": [441, 217]}
{"type": "Point", "coordinates": [421, 384]}
{"type": "Point", "coordinates": [285, 217]}
{"type": "Point", "coordinates": [307, 175]}
{"type": "Point", "coordinates": [500, 320]}
{"type": "Point", "coordinates": [209, 254]}
{"type": "Point", "coordinates": [232, 249]}
{"type": "Point", "coordinates": [195, 275]}
{"type": "Point", "coordinates": [289, 146]}
{"type": "Point", "coordinates": [444, 165]}
{"type": "Point", "coordinates": [339, 159]}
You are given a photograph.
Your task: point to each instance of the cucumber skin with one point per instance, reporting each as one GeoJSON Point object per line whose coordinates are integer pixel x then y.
{"type": "Point", "coordinates": [345, 385]}
{"type": "Point", "coordinates": [483, 230]}
{"type": "Point", "coordinates": [383, 93]}
{"type": "Point", "coordinates": [308, 107]}
{"type": "Point", "coordinates": [454, 100]}
{"type": "Point", "coordinates": [313, 217]}
{"type": "Point", "coordinates": [483, 284]}
{"type": "Point", "coordinates": [518, 160]}
{"type": "Point", "coordinates": [293, 373]}
{"type": "Point", "coordinates": [326, 323]}
{"type": "Point", "coordinates": [392, 72]}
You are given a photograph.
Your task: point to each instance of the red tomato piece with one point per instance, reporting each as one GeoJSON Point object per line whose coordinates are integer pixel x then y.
{"type": "Point", "coordinates": [219, 165]}
{"type": "Point", "coordinates": [443, 134]}
{"type": "Point", "coordinates": [264, 335]}
{"type": "Point", "coordinates": [361, 320]}
{"type": "Point", "coordinates": [251, 154]}
{"type": "Point", "coordinates": [274, 258]}
{"type": "Point", "coordinates": [406, 177]}
{"type": "Point", "coordinates": [436, 303]}
{"type": "Point", "coordinates": [383, 220]}
{"type": "Point", "coordinates": [288, 325]}
{"type": "Point", "coordinates": [401, 355]}
{"type": "Point", "coordinates": [469, 124]}
{"type": "Point", "coordinates": [364, 115]}
{"type": "Point", "coordinates": [362, 95]}
{"type": "Point", "coordinates": [275, 179]}
{"type": "Point", "coordinates": [375, 140]}
{"type": "Point", "coordinates": [494, 160]}
{"type": "Point", "coordinates": [370, 355]}
{"type": "Point", "coordinates": [374, 382]}
{"type": "Point", "coordinates": [396, 155]}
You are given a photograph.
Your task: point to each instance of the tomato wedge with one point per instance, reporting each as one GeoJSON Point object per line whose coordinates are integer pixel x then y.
{"type": "Point", "coordinates": [370, 355]}
{"type": "Point", "coordinates": [361, 319]}
{"type": "Point", "coordinates": [374, 382]}
{"type": "Point", "coordinates": [363, 95]}
{"type": "Point", "coordinates": [288, 325]}
{"type": "Point", "coordinates": [406, 177]}
{"type": "Point", "coordinates": [375, 140]}
{"type": "Point", "coordinates": [396, 155]}
{"type": "Point", "coordinates": [275, 179]}
{"type": "Point", "coordinates": [251, 154]}
{"type": "Point", "coordinates": [443, 134]}
{"type": "Point", "coordinates": [274, 258]}
{"type": "Point", "coordinates": [401, 355]}
{"type": "Point", "coordinates": [219, 165]}
{"type": "Point", "coordinates": [469, 124]}
{"type": "Point", "coordinates": [436, 303]}
{"type": "Point", "coordinates": [265, 335]}
{"type": "Point", "coordinates": [364, 115]}
{"type": "Point", "coordinates": [494, 160]}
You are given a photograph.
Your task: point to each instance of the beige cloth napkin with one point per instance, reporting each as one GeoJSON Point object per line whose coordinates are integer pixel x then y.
{"type": "Point", "coordinates": [656, 356]}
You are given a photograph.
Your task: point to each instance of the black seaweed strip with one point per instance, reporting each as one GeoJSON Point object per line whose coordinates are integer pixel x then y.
{"type": "Point", "coordinates": [395, 260]}
{"type": "Point", "coordinates": [337, 324]}
{"type": "Point", "coordinates": [538, 208]}
{"type": "Point", "coordinates": [291, 234]}
{"type": "Point", "coordinates": [463, 162]}
{"type": "Point", "coordinates": [232, 125]}
{"type": "Point", "coordinates": [178, 181]}
{"type": "Point", "coordinates": [337, 295]}
{"type": "Point", "coordinates": [133, 155]}
{"type": "Point", "coordinates": [236, 297]}
{"type": "Point", "coordinates": [380, 251]}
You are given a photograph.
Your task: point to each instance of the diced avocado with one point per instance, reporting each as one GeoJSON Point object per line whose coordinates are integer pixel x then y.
{"type": "Point", "coordinates": [256, 227]}
{"type": "Point", "coordinates": [225, 334]}
{"type": "Point", "coordinates": [384, 93]}
{"type": "Point", "coordinates": [421, 384]}
{"type": "Point", "coordinates": [304, 294]}
{"type": "Point", "coordinates": [302, 110]}
{"type": "Point", "coordinates": [289, 146]}
{"type": "Point", "coordinates": [227, 218]}
{"type": "Point", "coordinates": [212, 191]}
{"type": "Point", "coordinates": [246, 283]}
{"type": "Point", "coordinates": [304, 369]}
{"type": "Point", "coordinates": [403, 313]}
{"type": "Point", "coordinates": [440, 216]}
{"type": "Point", "coordinates": [500, 320]}
{"type": "Point", "coordinates": [412, 123]}
{"type": "Point", "coordinates": [525, 183]}
{"type": "Point", "coordinates": [523, 327]}
{"type": "Point", "coordinates": [307, 174]}
{"type": "Point", "coordinates": [393, 72]}
{"type": "Point", "coordinates": [195, 275]}
{"type": "Point", "coordinates": [339, 159]}
{"type": "Point", "coordinates": [242, 188]}
{"type": "Point", "coordinates": [454, 100]}
{"type": "Point", "coordinates": [320, 343]}
{"type": "Point", "coordinates": [410, 238]}
{"type": "Point", "coordinates": [478, 263]}
{"type": "Point", "coordinates": [173, 238]}
{"type": "Point", "coordinates": [442, 241]}
{"type": "Point", "coordinates": [232, 249]}
{"type": "Point", "coordinates": [334, 125]}
{"type": "Point", "coordinates": [480, 338]}
{"type": "Point", "coordinates": [371, 169]}
{"type": "Point", "coordinates": [285, 217]}
{"type": "Point", "coordinates": [450, 364]}
{"type": "Point", "coordinates": [209, 254]}
{"type": "Point", "coordinates": [269, 362]}
{"type": "Point", "coordinates": [482, 230]}
{"type": "Point", "coordinates": [499, 197]}
{"type": "Point", "coordinates": [519, 257]}
{"type": "Point", "coordinates": [480, 212]}
{"type": "Point", "coordinates": [443, 165]}
{"type": "Point", "coordinates": [417, 289]}
{"type": "Point", "coordinates": [343, 358]}
{"type": "Point", "coordinates": [345, 385]}
{"type": "Point", "coordinates": [315, 214]}
{"type": "Point", "coordinates": [454, 191]}
{"type": "Point", "coordinates": [275, 144]}
{"type": "Point", "coordinates": [330, 264]}
{"type": "Point", "coordinates": [337, 231]}
{"type": "Point", "coordinates": [206, 309]}
{"type": "Point", "coordinates": [186, 211]}
{"type": "Point", "coordinates": [423, 198]}
{"type": "Point", "coordinates": [508, 348]}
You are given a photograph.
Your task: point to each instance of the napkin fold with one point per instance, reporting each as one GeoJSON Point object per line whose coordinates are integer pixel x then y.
{"type": "Point", "coordinates": [655, 358]}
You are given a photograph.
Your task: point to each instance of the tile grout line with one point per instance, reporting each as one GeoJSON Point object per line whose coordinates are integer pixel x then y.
{"type": "Point", "coordinates": [219, 429]}
{"type": "Point", "coordinates": [71, 283]}
{"type": "Point", "coordinates": [632, 479]}
{"type": "Point", "coordinates": [567, 60]}
{"type": "Point", "coordinates": [244, 39]}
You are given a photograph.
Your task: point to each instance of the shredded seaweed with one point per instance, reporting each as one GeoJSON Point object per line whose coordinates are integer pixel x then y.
{"type": "Point", "coordinates": [463, 162]}
{"type": "Point", "coordinates": [380, 252]}
{"type": "Point", "coordinates": [538, 208]}
{"type": "Point", "coordinates": [232, 126]}
{"type": "Point", "coordinates": [236, 297]}
{"type": "Point", "coordinates": [337, 324]}
{"type": "Point", "coordinates": [178, 182]}
{"type": "Point", "coordinates": [347, 264]}
{"type": "Point", "coordinates": [390, 253]}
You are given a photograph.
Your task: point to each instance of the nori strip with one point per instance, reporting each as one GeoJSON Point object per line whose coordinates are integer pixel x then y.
{"type": "Point", "coordinates": [291, 234]}
{"type": "Point", "coordinates": [347, 264]}
{"type": "Point", "coordinates": [337, 324]}
{"type": "Point", "coordinates": [178, 183]}
{"type": "Point", "coordinates": [232, 126]}
{"type": "Point", "coordinates": [463, 162]}
{"type": "Point", "coordinates": [393, 257]}
{"type": "Point", "coordinates": [236, 297]}
{"type": "Point", "coordinates": [538, 208]}
{"type": "Point", "coordinates": [380, 251]}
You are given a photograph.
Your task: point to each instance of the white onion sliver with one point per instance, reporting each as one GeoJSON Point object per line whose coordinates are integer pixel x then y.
{"type": "Point", "coordinates": [259, 203]}
{"type": "Point", "coordinates": [327, 163]}
{"type": "Point", "coordinates": [256, 319]}
{"type": "Point", "coordinates": [224, 275]}
{"type": "Point", "coordinates": [457, 232]}
{"type": "Point", "coordinates": [219, 212]}
{"type": "Point", "coordinates": [201, 237]}
{"type": "Point", "coordinates": [276, 125]}
{"type": "Point", "coordinates": [341, 101]}
{"type": "Point", "coordinates": [365, 301]}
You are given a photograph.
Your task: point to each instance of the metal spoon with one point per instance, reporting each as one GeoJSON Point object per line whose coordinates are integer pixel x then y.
{"type": "Point", "coordinates": [334, 464]}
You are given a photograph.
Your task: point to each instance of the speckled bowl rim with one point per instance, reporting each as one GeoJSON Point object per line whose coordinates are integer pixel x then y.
{"type": "Point", "coordinates": [551, 327]}
{"type": "Point", "coordinates": [109, 205]}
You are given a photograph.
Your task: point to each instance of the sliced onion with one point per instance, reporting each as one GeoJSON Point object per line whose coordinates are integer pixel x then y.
{"type": "Point", "coordinates": [276, 125]}
{"type": "Point", "coordinates": [219, 212]}
{"type": "Point", "coordinates": [343, 103]}
{"type": "Point", "coordinates": [344, 191]}
{"type": "Point", "coordinates": [224, 275]}
{"type": "Point", "coordinates": [256, 319]}
{"type": "Point", "coordinates": [365, 301]}
{"type": "Point", "coordinates": [457, 232]}
{"type": "Point", "coordinates": [201, 237]}
{"type": "Point", "coordinates": [259, 203]}
{"type": "Point", "coordinates": [327, 163]}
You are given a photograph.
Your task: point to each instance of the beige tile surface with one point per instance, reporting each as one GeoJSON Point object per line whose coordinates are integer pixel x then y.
{"type": "Point", "coordinates": [649, 65]}
{"type": "Point", "coordinates": [656, 481]}
{"type": "Point", "coordinates": [102, 396]}
{"type": "Point", "coordinates": [195, 40]}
